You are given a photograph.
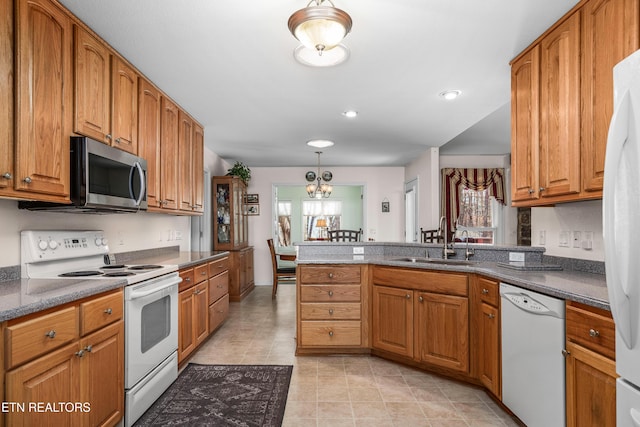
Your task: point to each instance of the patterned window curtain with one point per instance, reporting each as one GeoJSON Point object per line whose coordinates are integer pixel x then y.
{"type": "Point", "coordinates": [475, 179]}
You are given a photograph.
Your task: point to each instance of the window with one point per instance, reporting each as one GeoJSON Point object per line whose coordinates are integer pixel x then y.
{"type": "Point", "coordinates": [284, 223]}
{"type": "Point", "coordinates": [320, 216]}
{"type": "Point", "coordinates": [479, 215]}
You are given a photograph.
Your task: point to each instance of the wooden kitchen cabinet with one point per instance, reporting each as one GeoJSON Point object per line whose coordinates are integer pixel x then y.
{"type": "Point", "coordinates": [562, 101]}
{"type": "Point", "coordinates": [193, 313]}
{"type": "Point", "coordinates": [485, 333]}
{"type": "Point", "coordinates": [44, 100]}
{"type": "Point", "coordinates": [169, 166]}
{"type": "Point", "coordinates": [241, 278]}
{"type": "Point", "coordinates": [88, 369]}
{"type": "Point", "coordinates": [392, 321]}
{"type": "Point", "coordinates": [6, 98]}
{"type": "Point", "coordinates": [332, 303]}
{"type": "Point", "coordinates": [124, 106]}
{"type": "Point", "coordinates": [190, 159]}
{"type": "Point", "coordinates": [149, 107]}
{"type": "Point", "coordinates": [218, 292]}
{"type": "Point", "coordinates": [197, 164]}
{"type": "Point", "coordinates": [590, 367]}
{"type": "Point", "coordinates": [230, 231]}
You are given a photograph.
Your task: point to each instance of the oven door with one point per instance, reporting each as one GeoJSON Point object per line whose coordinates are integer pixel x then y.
{"type": "Point", "coordinates": [151, 325]}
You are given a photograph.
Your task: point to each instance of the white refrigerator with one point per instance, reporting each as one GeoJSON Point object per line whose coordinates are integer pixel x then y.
{"type": "Point", "coordinates": [621, 229]}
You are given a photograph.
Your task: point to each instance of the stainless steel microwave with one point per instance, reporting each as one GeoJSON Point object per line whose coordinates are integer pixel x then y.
{"type": "Point", "coordinates": [103, 180]}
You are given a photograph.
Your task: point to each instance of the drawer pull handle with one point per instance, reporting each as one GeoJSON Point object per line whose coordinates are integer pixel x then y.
{"type": "Point", "coordinates": [108, 311]}
{"type": "Point", "coordinates": [187, 279]}
{"type": "Point", "coordinates": [330, 333]}
{"type": "Point", "coordinates": [491, 315]}
{"type": "Point", "coordinates": [51, 334]}
{"type": "Point", "coordinates": [330, 293]}
{"type": "Point", "coordinates": [7, 175]}
{"type": "Point", "coordinates": [421, 299]}
{"type": "Point", "coordinates": [485, 291]}
{"type": "Point", "coordinates": [408, 296]}
{"type": "Point", "coordinates": [331, 311]}
{"type": "Point", "coordinates": [594, 333]}
{"type": "Point", "coordinates": [88, 348]}
{"type": "Point", "coordinates": [330, 275]}
{"type": "Point", "coordinates": [531, 191]}
{"type": "Point", "coordinates": [79, 353]}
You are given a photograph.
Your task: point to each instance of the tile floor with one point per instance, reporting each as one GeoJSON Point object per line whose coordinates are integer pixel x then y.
{"type": "Point", "coordinates": [342, 390]}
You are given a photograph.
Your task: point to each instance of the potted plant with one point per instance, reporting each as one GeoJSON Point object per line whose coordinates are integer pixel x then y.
{"type": "Point", "coordinates": [242, 171]}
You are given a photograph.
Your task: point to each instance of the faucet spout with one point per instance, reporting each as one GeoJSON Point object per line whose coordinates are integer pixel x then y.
{"type": "Point", "coordinates": [443, 228]}
{"type": "Point", "coordinates": [468, 252]}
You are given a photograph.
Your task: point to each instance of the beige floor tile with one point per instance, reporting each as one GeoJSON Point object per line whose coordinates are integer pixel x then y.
{"type": "Point", "coordinates": [397, 394]}
{"type": "Point", "coordinates": [364, 394]}
{"type": "Point", "coordinates": [296, 409]}
{"type": "Point", "coordinates": [373, 422]}
{"type": "Point", "coordinates": [335, 422]}
{"type": "Point", "coordinates": [333, 394]}
{"type": "Point", "coordinates": [334, 410]}
{"type": "Point", "coordinates": [398, 410]}
{"type": "Point", "coordinates": [369, 410]}
{"type": "Point", "coordinates": [439, 409]}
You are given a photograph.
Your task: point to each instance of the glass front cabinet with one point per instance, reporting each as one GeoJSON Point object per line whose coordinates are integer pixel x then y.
{"type": "Point", "coordinates": [230, 231]}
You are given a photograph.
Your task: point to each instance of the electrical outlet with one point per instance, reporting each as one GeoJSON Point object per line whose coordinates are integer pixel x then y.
{"type": "Point", "coordinates": [178, 235]}
{"type": "Point", "coordinates": [516, 256]}
{"type": "Point", "coordinates": [563, 239]}
{"type": "Point", "coordinates": [358, 250]}
{"type": "Point", "coordinates": [542, 237]}
{"type": "Point", "coordinates": [577, 239]}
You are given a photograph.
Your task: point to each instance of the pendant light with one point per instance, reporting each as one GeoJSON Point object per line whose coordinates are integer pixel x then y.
{"type": "Point", "coordinates": [319, 186]}
{"type": "Point", "coordinates": [320, 26]}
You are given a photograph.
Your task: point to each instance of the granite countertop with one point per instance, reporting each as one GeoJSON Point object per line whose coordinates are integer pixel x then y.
{"type": "Point", "coordinates": [587, 288]}
{"type": "Point", "coordinates": [25, 296]}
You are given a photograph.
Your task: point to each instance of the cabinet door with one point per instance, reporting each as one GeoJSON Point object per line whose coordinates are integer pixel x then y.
{"type": "Point", "coordinates": [185, 147]}
{"type": "Point", "coordinates": [197, 163]}
{"type": "Point", "coordinates": [102, 375]}
{"type": "Point", "coordinates": [44, 43]}
{"type": "Point", "coordinates": [169, 154]}
{"type": "Point", "coordinates": [92, 87]}
{"type": "Point", "coordinates": [186, 324]}
{"type": "Point", "coordinates": [201, 312]}
{"type": "Point", "coordinates": [442, 330]}
{"type": "Point", "coordinates": [51, 378]}
{"type": "Point", "coordinates": [525, 80]}
{"type": "Point", "coordinates": [124, 106]}
{"type": "Point", "coordinates": [393, 320]}
{"type": "Point", "coordinates": [560, 110]}
{"type": "Point", "coordinates": [591, 388]}
{"type": "Point", "coordinates": [6, 96]}
{"type": "Point", "coordinates": [489, 348]}
{"type": "Point", "coordinates": [609, 33]}
{"type": "Point", "coordinates": [149, 137]}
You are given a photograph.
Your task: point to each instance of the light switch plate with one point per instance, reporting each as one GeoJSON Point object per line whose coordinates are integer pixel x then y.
{"type": "Point", "coordinates": [358, 250]}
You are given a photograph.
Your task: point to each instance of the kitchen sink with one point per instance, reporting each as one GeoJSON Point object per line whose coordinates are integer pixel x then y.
{"type": "Point", "coordinates": [436, 261]}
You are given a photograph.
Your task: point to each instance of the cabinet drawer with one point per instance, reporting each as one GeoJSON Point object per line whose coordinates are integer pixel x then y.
{"type": "Point", "coordinates": [187, 279]}
{"type": "Point", "coordinates": [31, 338]}
{"type": "Point", "coordinates": [218, 312]}
{"type": "Point", "coordinates": [591, 328]}
{"type": "Point", "coordinates": [330, 293]}
{"type": "Point", "coordinates": [488, 291]}
{"type": "Point", "coordinates": [329, 311]}
{"type": "Point", "coordinates": [100, 311]}
{"type": "Point", "coordinates": [323, 334]}
{"type": "Point", "coordinates": [218, 266]}
{"type": "Point", "coordinates": [200, 273]}
{"type": "Point", "coordinates": [422, 280]}
{"type": "Point", "coordinates": [330, 274]}
{"type": "Point", "coordinates": [218, 286]}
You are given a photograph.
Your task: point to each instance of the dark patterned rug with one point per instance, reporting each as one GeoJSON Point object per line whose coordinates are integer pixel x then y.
{"type": "Point", "coordinates": [223, 395]}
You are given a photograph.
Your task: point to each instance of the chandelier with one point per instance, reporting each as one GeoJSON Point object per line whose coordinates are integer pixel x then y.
{"type": "Point", "coordinates": [319, 186]}
{"type": "Point", "coordinates": [320, 27]}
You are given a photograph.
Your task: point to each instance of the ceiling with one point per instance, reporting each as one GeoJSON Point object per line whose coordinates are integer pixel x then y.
{"type": "Point", "coordinates": [230, 64]}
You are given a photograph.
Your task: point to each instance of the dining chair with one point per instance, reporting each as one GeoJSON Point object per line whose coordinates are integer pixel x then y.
{"type": "Point", "coordinates": [431, 236]}
{"type": "Point", "coordinates": [345, 235]}
{"type": "Point", "coordinates": [279, 273]}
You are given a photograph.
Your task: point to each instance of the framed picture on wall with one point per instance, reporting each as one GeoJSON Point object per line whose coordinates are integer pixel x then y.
{"type": "Point", "coordinates": [385, 206]}
{"type": "Point", "coordinates": [252, 210]}
{"type": "Point", "coordinates": [251, 199]}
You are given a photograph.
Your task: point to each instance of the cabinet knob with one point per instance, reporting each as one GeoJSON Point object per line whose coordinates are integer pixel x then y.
{"type": "Point", "coordinates": [7, 175]}
{"type": "Point", "coordinates": [531, 191]}
{"type": "Point", "coordinates": [491, 315]}
{"type": "Point", "coordinates": [330, 333]}
{"type": "Point", "coordinates": [88, 348]}
{"type": "Point", "coordinates": [408, 296]}
{"type": "Point", "coordinates": [187, 279]}
{"type": "Point", "coordinates": [331, 311]}
{"type": "Point", "coordinates": [117, 140]}
{"type": "Point", "coordinates": [485, 291]}
{"type": "Point", "coordinates": [108, 136]}
{"type": "Point", "coordinates": [330, 293]}
{"type": "Point", "coordinates": [80, 353]}
{"type": "Point", "coordinates": [421, 299]}
{"type": "Point", "coordinates": [566, 353]}
{"type": "Point", "coordinates": [27, 180]}
{"type": "Point", "coordinates": [108, 311]}
{"type": "Point", "coordinates": [330, 275]}
{"type": "Point", "coordinates": [594, 333]}
{"type": "Point", "coordinates": [51, 334]}
{"type": "Point", "coordinates": [542, 189]}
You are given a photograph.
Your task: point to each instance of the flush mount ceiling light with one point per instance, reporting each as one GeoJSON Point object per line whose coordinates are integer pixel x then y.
{"type": "Point", "coordinates": [310, 57]}
{"type": "Point", "coordinates": [320, 26]}
{"type": "Point", "coordinates": [320, 143]}
{"type": "Point", "coordinates": [350, 114]}
{"type": "Point", "coordinates": [450, 94]}
{"type": "Point", "coordinates": [322, 188]}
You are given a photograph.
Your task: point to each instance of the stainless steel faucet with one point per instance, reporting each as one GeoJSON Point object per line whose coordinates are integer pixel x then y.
{"type": "Point", "coordinates": [446, 251]}
{"type": "Point", "coordinates": [468, 252]}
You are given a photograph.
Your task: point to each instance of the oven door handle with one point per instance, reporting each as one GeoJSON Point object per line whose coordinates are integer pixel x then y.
{"type": "Point", "coordinates": [143, 189]}
{"type": "Point", "coordinates": [141, 294]}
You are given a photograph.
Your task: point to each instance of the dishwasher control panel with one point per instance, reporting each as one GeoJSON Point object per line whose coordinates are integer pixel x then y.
{"type": "Point", "coordinates": [527, 303]}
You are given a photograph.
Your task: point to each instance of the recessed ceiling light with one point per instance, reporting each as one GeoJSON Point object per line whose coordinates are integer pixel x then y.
{"type": "Point", "coordinates": [329, 58]}
{"type": "Point", "coordinates": [450, 94]}
{"type": "Point", "coordinates": [320, 143]}
{"type": "Point", "coordinates": [350, 114]}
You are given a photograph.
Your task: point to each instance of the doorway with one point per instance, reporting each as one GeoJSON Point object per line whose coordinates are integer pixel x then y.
{"type": "Point", "coordinates": [411, 211]}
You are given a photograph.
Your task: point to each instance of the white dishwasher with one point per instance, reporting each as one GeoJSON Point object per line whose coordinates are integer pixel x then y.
{"type": "Point", "coordinates": [533, 366]}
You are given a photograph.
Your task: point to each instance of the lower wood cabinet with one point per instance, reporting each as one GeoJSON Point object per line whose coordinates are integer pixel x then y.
{"type": "Point", "coordinates": [591, 367]}
{"type": "Point", "coordinates": [486, 342]}
{"type": "Point", "coordinates": [241, 279]}
{"type": "Point", "coordinates": [392, 325]}
{"type": "Point", "coordinates": [88, 371]}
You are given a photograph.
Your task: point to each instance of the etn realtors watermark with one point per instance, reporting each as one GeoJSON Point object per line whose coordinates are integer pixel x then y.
{"type": "Point", "coordinates": [53, 407]}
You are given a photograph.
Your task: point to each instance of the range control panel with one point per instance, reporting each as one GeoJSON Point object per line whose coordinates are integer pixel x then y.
{"type": "Point", "coordinates": [52, 245]}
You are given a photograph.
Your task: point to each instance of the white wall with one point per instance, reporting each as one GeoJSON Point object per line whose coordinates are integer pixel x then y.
{"type": "Point", "coordinates": [379, 183]}
{"type": "Point", "coordinates": [570, 217]}
{"type": "Point", "coordinates": [427, 170]}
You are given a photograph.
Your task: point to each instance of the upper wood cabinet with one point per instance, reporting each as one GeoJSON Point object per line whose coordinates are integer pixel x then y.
{"type": "Point", "coordinates": [197, 163]}
{"type": "Point", "coordinates": [6, 97]}
{"type": "Point", "coordinates": [191, 152]}
{"type": "Point", "coordinates": [106, 94]}
{"type": "Point", "coordinates": [44, 48]}
{"type": "Point", "coordinates": [230, 231]}
{"type": "Point", "coordinates": [562, 101]}
{"type": "Point", "coordinates": [169, 165]}
{"type": "Point", "coordinates": [149, 102]}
